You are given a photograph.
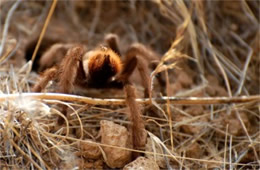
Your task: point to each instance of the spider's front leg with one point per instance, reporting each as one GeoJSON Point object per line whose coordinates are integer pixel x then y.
{"type": "Point", "coordinates": [68, 73]}
{"type": "Point", "coordinates": [138, 132]}
{"type": "Point", "coordinates": [47, 76]}
{"type": "Point", "coordinates": [137, 128]}
{"type": "Point", "coordinates": [144, 57]}
{"type": "Point", "coordinates": [112, 41]}
{"type": "Point", "coordinates": [137, 56]}
{"type": "Point", "coordinates": [53, 56]}
{"type": "Point", "coordinates": [69, 69]}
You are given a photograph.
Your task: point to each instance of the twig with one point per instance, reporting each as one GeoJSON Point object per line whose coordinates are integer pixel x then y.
{"type": "Point", "coordinates": [145, 101]}
{"type": "Point", "coordinates": [247, 134]}
{"type": "Point", "coordinates": [168, 108]}
{"type": "Point", "coordinates": [248, 59]}
{"type": "Point", "coordinates": [44, 29]}
{"type": "Point", "coordinates": [30, 149]}
{"type": "Point", "coordinates": [24, 154]}
{"type": "Point", "coordinates": [230, 153]}
{"type": "Point", "coordinates": [164, 151]}
{"type": "Point", "coordinates": [9, 53]}
{"type": "Point", "coordinates": [220, 66]}
{"type": "Point", "coordinates": [225, 148]}
{"type": "Point", "coordinates": [7, 22]}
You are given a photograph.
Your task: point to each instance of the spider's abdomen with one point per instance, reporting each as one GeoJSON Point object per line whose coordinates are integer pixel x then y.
{"type": "Point", "coordinates": [101, 65]}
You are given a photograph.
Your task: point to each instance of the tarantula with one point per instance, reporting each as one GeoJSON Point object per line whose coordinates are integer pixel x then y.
{"type": "Point", "coordinates": [101, 67]}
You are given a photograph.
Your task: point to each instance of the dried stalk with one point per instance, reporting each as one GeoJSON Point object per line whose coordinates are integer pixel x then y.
{"type": "Point", "coordinates": [146, 101]}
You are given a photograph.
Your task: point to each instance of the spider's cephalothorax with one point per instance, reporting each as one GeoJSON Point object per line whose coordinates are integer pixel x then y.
{"type": "Point", "coordinates": [102, 67]}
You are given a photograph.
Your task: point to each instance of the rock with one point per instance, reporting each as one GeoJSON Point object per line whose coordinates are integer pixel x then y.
{"type": "Point", "coordinates": [150, 147]}
{"type": "Point", "coordinates": [115, 135]}
{"type": "Point", "coordinates": [142, 163]}
{"type": "Point", "coordinates": [89, 150]}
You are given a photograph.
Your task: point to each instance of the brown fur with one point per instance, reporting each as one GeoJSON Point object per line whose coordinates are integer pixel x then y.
{"type": "Point", "coordinates": [129, 66]}
{"type": "Point", "coordinates": [98, 60]}
{"type": "Point", "coordinates": [143, 54]}
{"type": "Point", "coordinates": [68, 69]}
{"type": "Point", "coordinates": [48, 75]}
{"type": "Point", "coordinates": [58, 50]}
{"type": "Point", "coordinates": [137, 126]}
{"type": "Point", "coordinates": [112, 41]}
{"type": "Point", "coordinates": [68, 73]}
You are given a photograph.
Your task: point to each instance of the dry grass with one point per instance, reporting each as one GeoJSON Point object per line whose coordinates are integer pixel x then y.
{"type": "Point", "coordinates": [209, 59]}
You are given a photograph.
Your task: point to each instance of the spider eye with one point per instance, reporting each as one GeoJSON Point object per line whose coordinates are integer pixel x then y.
{"type": "Point", "coordinates": [103, 48]}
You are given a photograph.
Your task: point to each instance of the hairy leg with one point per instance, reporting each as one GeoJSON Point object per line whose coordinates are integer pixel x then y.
{"type": "Point", "coordinates": [137, 128]}
{"type": "Point", "coordinates": [47, 76]}
{"type": "Point", "coordinates": [144, 57]}
{"type": "Point", "coordinates": [112, 41]}
{"type": "Point", "coordinates": [130, 64]}
{"type": "Point", "coordinates": [68, 71]}
{"type": "Point", "coordinates": [53, 56]}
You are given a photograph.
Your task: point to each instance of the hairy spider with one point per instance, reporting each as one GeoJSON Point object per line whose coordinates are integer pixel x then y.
{"type": "Point", "coordinates": [101, 67]}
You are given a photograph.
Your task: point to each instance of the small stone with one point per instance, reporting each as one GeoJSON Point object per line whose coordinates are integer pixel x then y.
{"type": "Point", "coordinates": [89, 150]}
{"type": "Point", "coordinates": [142, 163]}
{"type": "Point", "coordinates": [115, 135]}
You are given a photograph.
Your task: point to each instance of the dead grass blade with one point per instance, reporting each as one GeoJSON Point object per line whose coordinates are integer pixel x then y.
{"type": "Point", "coordinates": [96, 101]}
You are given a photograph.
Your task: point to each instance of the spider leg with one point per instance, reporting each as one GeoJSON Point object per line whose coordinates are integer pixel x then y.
{"type": "Point", "coordinates": [53, 55]}
{"type": "Point", "coordinates": [143, 55]}
{"type": "Point", "coordinates": [67, 75]}
{"type": "Point", "coordinates": [130, 64]}
{"type": "Point", "coordinates": [137, 128]}
{"type": "Point", "coordinates": [138, 132]}
{"type": "Point", "coordinates": [68, 69]}
{"type": "Point", "coordinates": [112, 41]}
{"type": "Point", "coordinates": [47, 76]}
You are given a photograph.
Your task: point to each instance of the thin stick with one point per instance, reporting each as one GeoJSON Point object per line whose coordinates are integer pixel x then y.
{"type": "Point", "coordinates": [146, 101]}
{"type": "Point", "coordinates": [213, 53]}
{"type": "Point", "coordinates": [247, 134]}
{"type": "Point", "coordinates": [31, 149]}
{"type": "Point", "coordinates": [225, 149]}
{"type": "Point", "coordinates": [248, 59]}
{"type": "Point", "coordinates": [168, 108]}
{"type": "Point", "coordinates": [230, 153]}
{"type": "Point", "coordinates": [6, 26]}
{"type": "Point", "coordinates": [53, 5]}
{"type": "Point", "coordinates": [9, 53]}
{"type": "Point", "coordinates": [24, 154]}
